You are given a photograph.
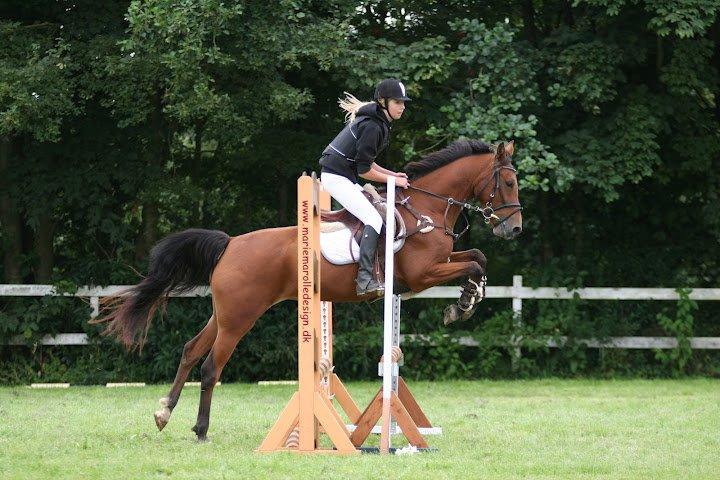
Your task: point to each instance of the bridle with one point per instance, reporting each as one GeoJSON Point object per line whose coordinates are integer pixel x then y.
{"type": "Point", "coordinates": [488, 211]}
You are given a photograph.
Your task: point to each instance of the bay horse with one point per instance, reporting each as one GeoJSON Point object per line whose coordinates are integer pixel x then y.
{"type": "Point", "coordinates": [250, 273]}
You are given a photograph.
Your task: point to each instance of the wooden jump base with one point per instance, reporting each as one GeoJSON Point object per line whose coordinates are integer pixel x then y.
{"type": "Point", "coordinates": [310, 410]}
{"type": "Point", "coordinates": [394, 400]}
{"type": "Point", "coordinates": [406, 415]}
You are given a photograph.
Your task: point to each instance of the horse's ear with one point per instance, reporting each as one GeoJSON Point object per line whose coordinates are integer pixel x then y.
{"type": "Point", "coordinates": [500, 150]}
{"type": "Point", "coordinates": [510, 147]}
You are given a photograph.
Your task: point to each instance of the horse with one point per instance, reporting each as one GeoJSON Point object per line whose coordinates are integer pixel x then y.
{"type": "Point", "coordinates": [250, 273]}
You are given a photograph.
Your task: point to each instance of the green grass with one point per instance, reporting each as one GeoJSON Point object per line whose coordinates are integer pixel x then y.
{"type": "Point", "coordinates": [516, 429]}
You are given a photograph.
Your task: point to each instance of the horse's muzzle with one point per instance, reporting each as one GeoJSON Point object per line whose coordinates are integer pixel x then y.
{"type": "Point", "coordinates": [507, 231]}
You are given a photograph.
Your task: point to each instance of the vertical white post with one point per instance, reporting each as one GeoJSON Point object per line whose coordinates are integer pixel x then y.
{"type": "Point", "coordinates": [388, 315]}
{"type": "Point", "coordinates": [517, 321]}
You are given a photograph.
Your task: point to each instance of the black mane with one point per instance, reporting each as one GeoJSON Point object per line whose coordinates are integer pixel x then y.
{"type": "Point", "coordinates": [435, 160]}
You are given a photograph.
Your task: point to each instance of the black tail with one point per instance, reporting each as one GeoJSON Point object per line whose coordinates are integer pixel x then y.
{"type": "Point", "coordinates": [178, 263]}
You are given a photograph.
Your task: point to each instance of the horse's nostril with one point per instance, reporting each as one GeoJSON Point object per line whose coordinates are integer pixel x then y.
{"type": "Point", "coordinates": [517, 230]}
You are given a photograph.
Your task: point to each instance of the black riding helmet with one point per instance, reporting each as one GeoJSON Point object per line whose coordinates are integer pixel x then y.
{"type": "Point", "coordinates": [390, 88]}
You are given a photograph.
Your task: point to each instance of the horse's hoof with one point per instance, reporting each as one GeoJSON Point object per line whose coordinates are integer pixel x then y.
{"type": "Point", "coordinates": [201, 437]}
{"type": "Point", "coordinates": [468, 314]}
{"type": "Point", "coordinates": [162, 416]}
{"type": "Point", "coordinates": [451, 314]}
{"type": "Point", "coordinates": [161, 419]}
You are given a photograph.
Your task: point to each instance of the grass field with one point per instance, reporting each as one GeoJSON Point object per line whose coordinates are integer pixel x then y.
{"type": "Point", "coordinates": [516, 429]}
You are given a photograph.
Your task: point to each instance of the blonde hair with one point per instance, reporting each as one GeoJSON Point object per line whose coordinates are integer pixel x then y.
{"type": "Point", "coordinates": [351, 105]}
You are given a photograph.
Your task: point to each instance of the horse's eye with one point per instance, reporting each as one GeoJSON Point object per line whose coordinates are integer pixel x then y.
{"type": "Point", "coordinates": [510, 183]}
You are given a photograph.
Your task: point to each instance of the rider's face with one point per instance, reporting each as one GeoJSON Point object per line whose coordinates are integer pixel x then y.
{"type": "Point", "coordinates": [396, 108]}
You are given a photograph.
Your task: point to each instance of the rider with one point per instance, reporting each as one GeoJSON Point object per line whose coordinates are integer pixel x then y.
{"type": "Point", "coordinates": [352, 154]}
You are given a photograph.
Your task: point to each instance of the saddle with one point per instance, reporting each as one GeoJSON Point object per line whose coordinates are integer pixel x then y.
{"type": "Point", "coordinates": [333, 220]}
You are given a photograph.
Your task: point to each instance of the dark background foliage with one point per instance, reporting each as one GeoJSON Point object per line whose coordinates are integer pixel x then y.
{"type": "Point", "coordinates": [121, 122]}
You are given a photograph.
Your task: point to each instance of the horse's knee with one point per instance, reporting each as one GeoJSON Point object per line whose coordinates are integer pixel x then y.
{"type": "Point", "coordinates": [480, 258]}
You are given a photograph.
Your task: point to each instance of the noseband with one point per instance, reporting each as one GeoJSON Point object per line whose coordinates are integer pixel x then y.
{"type": "Point", "coordinates": [488, 211]}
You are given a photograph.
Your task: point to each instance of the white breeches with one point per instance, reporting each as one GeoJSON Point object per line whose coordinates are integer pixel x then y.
{"type": "Point", "coordinates": [350, 196]}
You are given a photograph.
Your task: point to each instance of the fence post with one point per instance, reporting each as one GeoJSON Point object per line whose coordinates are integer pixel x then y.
{"type": "Point", "coordinates": [516, 338]}
{"type": "Point", "coordinates": [95, 304]}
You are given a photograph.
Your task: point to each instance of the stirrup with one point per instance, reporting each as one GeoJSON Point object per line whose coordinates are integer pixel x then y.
{"type": "Point", "coordinates": [378, 291]}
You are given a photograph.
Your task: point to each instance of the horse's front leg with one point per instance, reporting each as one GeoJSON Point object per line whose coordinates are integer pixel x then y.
{"type": "Point", "coordinates": [474, 289]}
{"type": "Point", "coordinates": [444, 272]}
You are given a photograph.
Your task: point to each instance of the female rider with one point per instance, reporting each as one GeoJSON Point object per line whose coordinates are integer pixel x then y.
{"type": "Point", "coordinates": [352, 154]}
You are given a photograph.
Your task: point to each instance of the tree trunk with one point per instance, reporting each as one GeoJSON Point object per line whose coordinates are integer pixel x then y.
{"type": "Point", "coordinates": [659, 55]}
{"type": "Point", "coordinates": [283, 202]}
{"type": "Point", "coordinates": [196, 172]}
{"type": "Point", "coordinates": [715, 35]}
{"type": "Point", "coordinates": [9, 220]}
{"type": "Point", "coordinates": [155, 156]}
{"type": "Point", "coordinates": [528, 13]}
{"type": "Point", "coordinates": [197, 156]}
{"type": "Point", "coordinates": [44, 237]}
{"type": "Point", "coordinates": [579, 226]}
{"type": "Point", "coordinates": [149, 234]}
{"type": "Point", "coordinates": [568, 16]}
{"type": "Point", "coordinates": [547, 248]}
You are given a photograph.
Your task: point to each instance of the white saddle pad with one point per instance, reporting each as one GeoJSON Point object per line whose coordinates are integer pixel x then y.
{"type": "Point", "coordinates": [336, 244]}
{"type": "Point", "coordinates": [335, 239]}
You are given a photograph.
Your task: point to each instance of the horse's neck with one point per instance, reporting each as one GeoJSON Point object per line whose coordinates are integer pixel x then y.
{"type": "Point", "coordinates": [456, 180]}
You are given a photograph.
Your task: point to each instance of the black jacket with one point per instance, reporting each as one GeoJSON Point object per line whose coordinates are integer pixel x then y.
{"type": "Point", "coordinates": [359, 144]}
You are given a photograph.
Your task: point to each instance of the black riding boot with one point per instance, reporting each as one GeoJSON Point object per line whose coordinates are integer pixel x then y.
{"type": "Point", "coordinates": [365, 281]}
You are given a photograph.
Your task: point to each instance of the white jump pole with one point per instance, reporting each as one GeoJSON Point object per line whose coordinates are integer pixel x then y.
{"type": "Point", "coordinates": [388, 315]}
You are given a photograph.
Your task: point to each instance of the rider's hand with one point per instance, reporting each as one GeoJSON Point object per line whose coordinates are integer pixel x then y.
{"type": "Point", "coordinates": [401, 182]}
{"type": "Point", "coordinates": [401, 174]}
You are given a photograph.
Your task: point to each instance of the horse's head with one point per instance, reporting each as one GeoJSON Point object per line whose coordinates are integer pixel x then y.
{"type": "Point", "coordinates": [500, 193]}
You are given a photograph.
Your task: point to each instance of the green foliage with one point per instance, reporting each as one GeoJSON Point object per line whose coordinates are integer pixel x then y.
{"type": "Point", "coordinates": [683, 18]}
{"type": "Point", "coordinates": [587, 73]}
{"type": "Point", "coordinates": [680, 327]}
{"type": "Point", "coordinates": [689, 73]}
{"type": "Point", "coordinates": [436, 356]}
{"type": "Point", "coordinates": [36, 82]}
{"type": "Point", "coordinates": [634, 128]}
{"type": "Point", "coordinates": [121, 122]}
{"type": "Point", "coordinates": [427, 59]}
{"type": "Point", "coordinates": [501, 81]}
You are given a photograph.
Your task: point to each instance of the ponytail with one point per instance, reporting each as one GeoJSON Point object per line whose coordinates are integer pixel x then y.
{"type": "Point", "coordinates": [351, 105]}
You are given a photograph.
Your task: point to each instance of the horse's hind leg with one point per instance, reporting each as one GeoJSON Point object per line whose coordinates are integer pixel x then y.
{"type": "Point", "coordinates": [193, 351]}
{"type": "Point", "coordinates": [225, 343]}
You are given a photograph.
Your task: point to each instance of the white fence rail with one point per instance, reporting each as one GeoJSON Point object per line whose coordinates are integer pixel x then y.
{"type": "Point", "coordinates": [517, 292]}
